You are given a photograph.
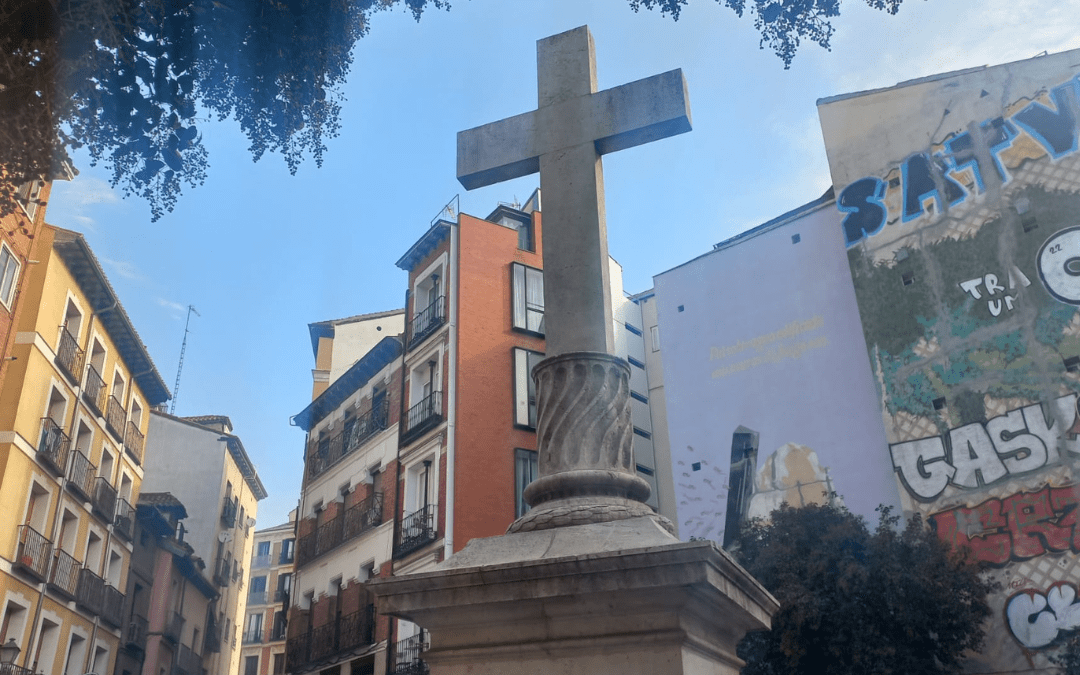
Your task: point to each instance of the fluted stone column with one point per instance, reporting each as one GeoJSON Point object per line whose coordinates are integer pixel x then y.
{"type": "Point", "coordinates": [585, 436]}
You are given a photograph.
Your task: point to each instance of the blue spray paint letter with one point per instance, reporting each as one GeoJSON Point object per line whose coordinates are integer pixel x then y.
{"type": "Point", "coordinates": [1055, 130]}
{"type": "Point", "coordinates": [918, 176]}
{"type": "Point", "coordinates": [862, 201]}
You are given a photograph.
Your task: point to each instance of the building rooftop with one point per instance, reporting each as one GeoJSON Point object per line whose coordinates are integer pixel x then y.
{"type": "Point", "coordinates": [321, 329]}
{"type": "Point", "coordinates": [235, 445]}
{"type": "Point", "coordinates": [87, 271]}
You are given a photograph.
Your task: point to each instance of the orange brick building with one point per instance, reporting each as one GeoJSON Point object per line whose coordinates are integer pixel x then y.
{"type": "Point", "coordinates": [446, 461]}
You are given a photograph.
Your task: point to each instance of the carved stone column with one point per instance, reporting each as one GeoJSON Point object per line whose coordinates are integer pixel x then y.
{"type": "Point", "coordinates": [585, 436]}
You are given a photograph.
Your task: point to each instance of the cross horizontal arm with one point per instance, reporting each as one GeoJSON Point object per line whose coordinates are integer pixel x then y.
{"type": "Point", "coordinates": [614, 119]}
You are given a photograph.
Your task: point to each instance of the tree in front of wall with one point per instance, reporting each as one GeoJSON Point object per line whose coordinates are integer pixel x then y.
{"type": "Point", "coordinates": [891, 601]}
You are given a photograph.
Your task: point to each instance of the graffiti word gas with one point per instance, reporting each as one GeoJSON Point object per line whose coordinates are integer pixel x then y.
{"type": "Point", "coordinates": [1036, 619]}
{"type": "Point", "coordinates": [980, 454]}
{"type": "Point", "coordinates": [1018, 527]}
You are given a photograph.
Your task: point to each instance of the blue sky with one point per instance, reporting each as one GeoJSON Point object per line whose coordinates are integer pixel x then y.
{"type": "Point", "coordinates": [261, 253]}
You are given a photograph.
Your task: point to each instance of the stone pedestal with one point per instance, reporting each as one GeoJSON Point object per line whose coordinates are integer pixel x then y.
{"type": "Point", "coordinates": [610, 598]}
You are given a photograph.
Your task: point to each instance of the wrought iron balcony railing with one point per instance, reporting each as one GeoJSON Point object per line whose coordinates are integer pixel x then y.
{"type": "Point", "coordinates": [356, 520]}
{"type": "Point", "coordinates": [104, 499]}
{"type": "Point", "coordinates": [68, 355]}
{"type": "Point", "coordinates": [427, 321]}
{"type": "Point", "coordinates": [33, 554]}
{"type": "Point", "coordinates": [252, 635]}
{"type": "Point", "coordinates": [326, 452]}
{"type": "Point", "coordinates": [135, 633]}
{"type": "Point", "coordinates": [114, 418]}
{"type": "Point", "coordinates": [124, 524]}
{"type": "Point", "coordinates": [423, 416]}
{"type": "Point", "coordinates": [417, 530]}
{"type": "Point", "coordinates": [12, 669]}
{"type": "Point", "coordinates": [90, 594]}
{"type": "Point", "coordinates": [346, 632]}
{"type": "Point", "coordinates": [81, 476]}
{"type": "Point", "coordinates": [222, 572]}
{"type": "Point", "coordinates": [174, 628]}
{"type": "Point", "coordinates": [407, 653]}
{"type": "Point", "coordinates": [297, 652]}
{"type": "Point", "coordinates": [94, 390]}
{"type": "Point", "coordinates": [54, 446]}
{"type": "Point", "coordinates": [64, 576]}
{"type": "Point", "coordinates": [134, 442]}
{"type": "Point", "coordinates": [228, 512]}
{"type": "Point", "coordinates": [187, 661]}
{"type": "Point", "coordinates": [112, 609]}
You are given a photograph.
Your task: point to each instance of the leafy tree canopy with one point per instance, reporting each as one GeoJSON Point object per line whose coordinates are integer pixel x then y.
{"type": "Point", "coordinates": [852, 601]}
{"type": "Point", "coordinates": [125, 79]}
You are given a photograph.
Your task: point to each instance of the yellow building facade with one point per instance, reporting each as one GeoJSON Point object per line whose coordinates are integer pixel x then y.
{"type": "Point", "coordinates": [74, 411]}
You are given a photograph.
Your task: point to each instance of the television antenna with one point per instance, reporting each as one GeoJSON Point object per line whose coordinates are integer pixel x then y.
{"type": "Point", "coordinates": [180, 366]}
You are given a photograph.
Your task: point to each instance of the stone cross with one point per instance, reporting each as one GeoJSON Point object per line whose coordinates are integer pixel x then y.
{"type": "Point", "coordinates": [563, 139]}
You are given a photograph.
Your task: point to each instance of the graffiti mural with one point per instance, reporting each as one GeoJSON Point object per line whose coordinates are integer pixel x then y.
{"type": "Point", "coordinates": [961, 221]}
{"type": "Point", "coordinates": [1036, 619]}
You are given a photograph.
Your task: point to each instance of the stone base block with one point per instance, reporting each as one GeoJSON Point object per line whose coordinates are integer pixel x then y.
{"type": "Point", "coordinates": [616, 598]}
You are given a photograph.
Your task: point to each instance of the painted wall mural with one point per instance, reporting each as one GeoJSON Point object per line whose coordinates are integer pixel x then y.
{"type": "Point", "coordinates": [965, 258]}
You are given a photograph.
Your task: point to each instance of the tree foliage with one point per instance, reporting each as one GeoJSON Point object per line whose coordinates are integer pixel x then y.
{"type": "Point", "coordinates": [129, 79]}
{"type": "Point", "coordinates": [783, 24]}
{"type": "Point", "coordinates": [852, 601]}
{"type": "Point", "coordinates": [133, 81]}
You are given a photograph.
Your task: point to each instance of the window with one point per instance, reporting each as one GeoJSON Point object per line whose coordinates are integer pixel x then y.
{"type": "Point", "coordinates": [258, 585]}
{"type": "Point", "coordinates": [286, 551]}
{"type": "Point", "coordinates": [655, 332]}
{"type": "Point", "coordinates": [251, 665]}
{"type": "Point", "coordinates": [27, 195]}
{"type": "Point", "coordinates": [525, 387]}
{"type": "Point", "coordinates": [528, 292]}
{"type": "Point", "coordinates": [526, 469]}
{"type": "Point", "coordinates": [9, 270]}
{"type": "Point", "coordinates": [263, 548]}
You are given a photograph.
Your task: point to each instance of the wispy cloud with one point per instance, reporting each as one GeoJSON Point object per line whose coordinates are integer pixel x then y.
{"type": "Point", "coordinates": [124, 269]}
{"type": "Point", "coordinates": [72, 202]}
{"type": "Point", "coordinates": [176, 309]}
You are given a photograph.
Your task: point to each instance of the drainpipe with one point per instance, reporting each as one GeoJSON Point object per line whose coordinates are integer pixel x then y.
{"type": "Point", "coordinates": [453, 294]}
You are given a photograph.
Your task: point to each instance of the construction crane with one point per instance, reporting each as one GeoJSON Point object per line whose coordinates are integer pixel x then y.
{"type": "Point", "coordinates": [180, 366]}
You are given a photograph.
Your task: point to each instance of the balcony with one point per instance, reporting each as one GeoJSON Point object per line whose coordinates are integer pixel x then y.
{"type": "Point", "coordinates": [94, 390]}
{"type": "Point", "coordinates": [298, 653]}
{"type": "Point", "coordinates": [363, 516]}
{"type": "Point", "coordinates": [407, 652]}
{"type": "Point", "coordinates": [258, 598]}
{"type": "Point", "coordinates": [64, 576]}
{"type": "Point", "coordinates": [90, 593]}
{"type": "Point", "coordinates": [212, 642]}
{"type": "Point", "coordinates": [188, 662]}
{"type": "Point", "coordinates": [222, 572]}
{"type": "Point", "coordinates": [328, 452]}
{"type": "Point", "coordinates": [114, 418]}
{"type": "Point", "coordinates": [135, 633]}
{"type": "Point", "coordinates": [427, 321]}
{"type": "Point", "coordinates": [228, 512]}
{"type": "Point", "coordinates": [417, 530]}
{"type": "Point", "coordinates": [260, 561]}
{"type": "Point", "coordinates": [422, 417]}
{"type": "Point", "coordinates": [124, 524]}
{"type": "Point", "coordinates": [344, 633]}
{"type": "Point", "coordinates": [68, 355]}
{"type": "Point", "coordinates": [112, 610]}
{"type": "Point", "coordinates": [12, 669]}
{"type": "Point", "coordinates": [174, 628]}
{"type": "Point", "coordinates": [356, 520]}
{"type": "Point", "coordinates": [104, 499]}
{"type": "Point", "coordinates": [54, 446]}
{"type": "Point", "coordinates": [32, 556]}
{"type": "Point", "coordinates": [253, 635]}
{"type": "Point", "coordinates": [81, 476]}
{"type": "Point", "coordinates": [134, 442]}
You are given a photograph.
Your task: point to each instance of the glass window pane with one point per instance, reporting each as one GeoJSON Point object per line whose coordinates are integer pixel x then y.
{"type": "Point", "coordinates": [521, 387]}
